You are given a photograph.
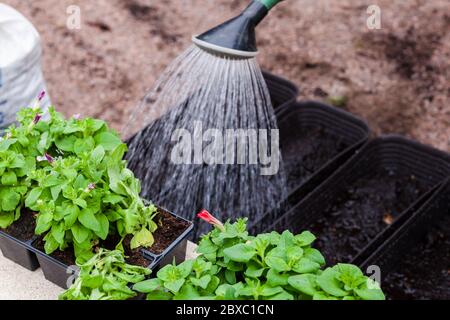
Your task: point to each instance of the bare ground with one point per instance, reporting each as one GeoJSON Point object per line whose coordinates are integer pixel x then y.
{"type": "Point", "coordinates": [397, 77]}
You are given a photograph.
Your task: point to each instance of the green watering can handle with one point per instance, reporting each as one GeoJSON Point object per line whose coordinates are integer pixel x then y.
{"type": "Point", "coordinates": [270, 3]}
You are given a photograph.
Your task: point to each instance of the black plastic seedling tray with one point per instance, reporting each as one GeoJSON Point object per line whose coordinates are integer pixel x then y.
{"type": "Point", "coordinates": [413, 254]}
{"type": "Point", "coordinates": [347, 211]}
{"type": "Point", "coordinates": [317, 134]}
{"type": "Point", "coordinates": [18, 251]}
{"type": "Point", "coordinates": [25, 254]}
{"type": "Point", "coordinates": [175, 252]}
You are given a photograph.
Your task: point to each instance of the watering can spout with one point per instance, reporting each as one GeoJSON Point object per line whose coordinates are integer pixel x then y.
{"type": "Point", "coordinates": [236, 38]}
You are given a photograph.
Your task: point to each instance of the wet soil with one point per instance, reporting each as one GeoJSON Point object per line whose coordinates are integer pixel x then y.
{"type": "Point", "coordinates": [169, 229]}
{"type": "Point", "coordinates": [23, 229]}
{"type": "Point", "coordinates": [307, 151]}
{"type": "Point", "coordinates": [67, 256]}
{"type": "Point", "coordinates": [359, 214]}
{"type": "Point", "coordinates": [424, 272]}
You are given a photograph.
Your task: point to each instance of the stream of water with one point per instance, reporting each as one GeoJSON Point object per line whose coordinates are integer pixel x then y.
{"type": "Point", "coordinates": [206, 137]}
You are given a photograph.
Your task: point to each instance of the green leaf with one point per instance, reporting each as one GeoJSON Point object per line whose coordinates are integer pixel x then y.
{"type": "Point", "coordinates": [80, 202]}
{"type": "Point", "coordinates": [148, 286]}
{"type": "Point", "coordinates": [268, 291]}
{"type": "Point", "coordinates": [188, 292]}
{"type": "Point", "coordinates": [314, 255]}
{"type": "Point", "coordinates": [115, 180]}
{"type": "Point", "coordinates": [58, 232]}
{"type": "Point", "coordinates": [322, 296]}
{"type": "Point", "coordinates": [230, 276]}
{"type": "Point", "coordinates": [168, 273]}
{"type": "Point", "coordinates": [97, 155]}
{"type": "Point", "coordinates": [72, 213]}
{"type": "Point", "coordinates": [93, 281]}
{"type": "Point", "coordinates": [83, 145]}
{"type": "Point", "coordinates": [80, 233]}
{"type": "Point", "coordinates": [328, 282]}
{"type": "Point", "coordinates": [306, 266]}
{"type": "Point", "coordinates": [30, 165]}
{"type": "Point", "coordinates": [304, 239]}
{"type": "Point", "coordinates": [370, 290]}
{"type": "Point", "coordinates": [51, 180]}
{"type": "Point", "coordinates": [287, 239]}
{"type": "Point", "coordinates": [50, 244]}
{"type": "Point", "coordinates": [350, 275]}
{"type": "Point", "coordinates": [6, 143]}
{"type": "Point", "coordinates": [43, 143]}
{"type": "Point", "coordinates": [9, 200]}
{"type": "Point", "coordinates": [6, 219]}
{"type": "Point", "coordinates": [107, 140]}
{"type": "Point", "coordinates": [159, 295]}
{"type": "Point", "coordinates": [304, 283]}
{"type": "Point", "coordinates": [213, 284]}
{"type": "Point", "coordinates": [55, 191]}
{"type": "Point", "coordinates": [32, 197]}
{"type": "Point", "coordinates": [277, 263]}
{"type": "Point", "coordinates": [66, 144]}
{"type": "Point", "coordinates": [254, 271]}
{"type": "Point", "coordinates": [143, 238]}
{"type": "Point", "coordinates": [9, 178]}
{"type": "Point", "coordinates": [227, 291]}
{"type": "Point", "coordinates": [88, 219]}
{"type": "Point", "coordinates": [112, 198]}
{"type": "Point", "coordinates": [276, 279]}
{"type": "Point", "coordinates": [18, 162]}
{"type": "Point", "coordinates": [185, 268]}
{"type": "Point", "coordinates": [102, 233]}
{"type": "Point", "coordinates": [206, 246]}
{"type": "Point", "coordinates": [174, 286]}
{"type": "Point", "coordinates": [202, 282]}
{"type": "Point", "coordinates": [43, 222]}
{"type": "Point", "coordinates": [282, 296]}
{"type": "Point", "coordinates": [294, 254]}
{"type": "Point", "coordinates": [117, 154]}
{"type": "Point", "coordinates": [95, 124]}
{"type": "Point", "coordinates": [240, 253]}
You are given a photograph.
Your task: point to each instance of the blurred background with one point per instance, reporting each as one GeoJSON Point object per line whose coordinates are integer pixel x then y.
{"type": "Point", "coordinates": [397, 77]}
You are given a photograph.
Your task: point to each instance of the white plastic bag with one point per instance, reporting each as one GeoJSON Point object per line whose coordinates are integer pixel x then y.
{"type": "Point", "coordinates": [21, 78]}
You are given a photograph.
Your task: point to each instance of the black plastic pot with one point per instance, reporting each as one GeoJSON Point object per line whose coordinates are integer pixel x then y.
{"type": "Point", "coordinates": [399, 254]}
{"type": "Point", "coordinates": [296, 122]}
{"type": "Point", "coordinates": [282, 91]}
{"type": "Point", "coordinates": [63, 275]}
{"type": "Point", "coordinates": [56, 271]}
{"type": "Point", "coordinates": [386, 156]}
{"type": "Point", "coordinates": [18, 251]}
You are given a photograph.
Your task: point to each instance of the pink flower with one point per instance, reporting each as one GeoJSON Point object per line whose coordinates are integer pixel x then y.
{"type": "Point", "coordinates": [46, 157]}
{"type": "Point", "coordinates": [37, 118]}
{"type": "Point", "coordinates": [41, 95]}
{"type": "Point", "coordinates": [91, 186]}
{"type": "Point", "coordinates": [208, 217]}
{"type": "Point", "coordinates": [49, 158]}
{"type": "Point", "coordinates": [77, 116]}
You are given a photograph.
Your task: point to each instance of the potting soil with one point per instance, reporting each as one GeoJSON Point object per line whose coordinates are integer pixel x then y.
{"type": "Point", "coordinates": [359, 214]}
{"type": "Point", "coordinates": [23, 229]}
{"type": "Point", "coordinates": [424, 271]}
{"type": "Point", "coordinates": [306, 151]}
